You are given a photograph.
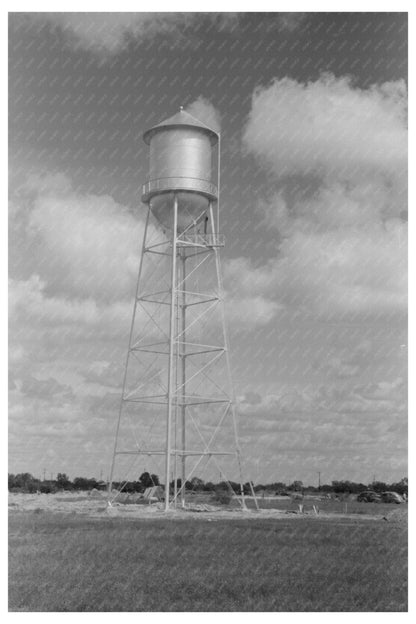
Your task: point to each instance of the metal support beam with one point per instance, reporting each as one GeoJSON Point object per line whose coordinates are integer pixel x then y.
{"type": "Point", "coordinates": [227, 350]}
{"type": "Point", "coordinates": [171, 391]}
{"type": "Point", "coordinates": [183, 357]}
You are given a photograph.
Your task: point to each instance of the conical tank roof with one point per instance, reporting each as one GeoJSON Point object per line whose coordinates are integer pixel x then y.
{"type": "Point", "coordinates": [180, 119]}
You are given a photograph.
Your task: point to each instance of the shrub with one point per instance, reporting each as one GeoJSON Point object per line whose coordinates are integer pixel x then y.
{"type": "Point", "coordinates": [223, 497]}
{"type": "Point", "coordinates": [46, 488]}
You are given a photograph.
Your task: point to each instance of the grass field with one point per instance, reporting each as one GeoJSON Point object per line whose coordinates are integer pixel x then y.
{"type": "Point", "coordinates": [69, 562]}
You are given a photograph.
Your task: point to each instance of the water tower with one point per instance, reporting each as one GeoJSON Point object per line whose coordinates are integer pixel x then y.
{"type": "Point", "coordinates": [177, 410]}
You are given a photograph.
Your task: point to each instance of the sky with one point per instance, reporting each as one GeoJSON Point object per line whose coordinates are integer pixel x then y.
{"type": "Point", "coordinates": [312, 109]}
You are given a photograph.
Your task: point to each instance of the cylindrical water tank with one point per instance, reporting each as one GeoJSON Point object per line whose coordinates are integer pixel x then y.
{"type": "Point", "coordinates": [180, 153]}
{"type": "Point", "coordinates": [181, 163]}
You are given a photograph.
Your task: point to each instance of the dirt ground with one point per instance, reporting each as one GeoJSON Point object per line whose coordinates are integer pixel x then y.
{"type": "Point", "coordinates": [94, 504]}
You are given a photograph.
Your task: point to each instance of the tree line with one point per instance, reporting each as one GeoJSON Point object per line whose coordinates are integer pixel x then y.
{"type": "Point", "coordinates": [25, 482]}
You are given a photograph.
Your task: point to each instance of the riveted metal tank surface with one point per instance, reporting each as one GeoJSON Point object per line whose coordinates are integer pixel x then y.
{"type": "Point", "coordinates": [181, 155]}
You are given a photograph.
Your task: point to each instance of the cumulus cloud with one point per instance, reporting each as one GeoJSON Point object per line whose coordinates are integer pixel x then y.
{"type": "Point", "coordinates": [241, 276]}
{"type": "Point", "coordinates": [81, 246]}
{"type": "Point", "coordinates": [106, 34]}
{"type": "Point", "coordinates": [109, 32]}
{"type": "Point", "coordinates": [29, 304]}
{"type": "Point", "coordinates": [339, 427]}
{"type": "Point", "coordinates": [58, 431]}
{"type": "Point", "coordinates": [203, 110]}
{"type": "Point", "coordinates": [274, 405]}
{"type": "Point", "coordinates": [47, 183]}
{"type": "Point", "coordinates": [44, 388]}
{"type": "Point", "coordinates": [92, 244]}
{"type": "Point", "coordinates": [361, 271]}
{"type": "Point", "coordinates": [349, 362]}
{"type": "Point", "coordinates": [334, 206]}
{"type": "Point", "coordinates": [329, 127]}
{"type": "Point", "coordinates": [101, 376]}
{"type": "Point", "coordinates": [73, 263]}
{"type": "Point", "coordinates": [250, 312]}
{"type": "Point", "coordinates": [342, 238]}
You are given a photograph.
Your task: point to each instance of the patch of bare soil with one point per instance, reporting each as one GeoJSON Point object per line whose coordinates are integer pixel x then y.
{"type": "Point", "coordinates": [64, 502]}
{"type": "Point", "coordinates": [94, 504]}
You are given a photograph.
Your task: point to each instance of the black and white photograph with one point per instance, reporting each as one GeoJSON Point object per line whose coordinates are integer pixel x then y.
{"type": "Point", "coordinates": [208, 302]}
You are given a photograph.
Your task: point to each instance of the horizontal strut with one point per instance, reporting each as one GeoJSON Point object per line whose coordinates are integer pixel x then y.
{"type": "Point", "coordinates": [178, 452]}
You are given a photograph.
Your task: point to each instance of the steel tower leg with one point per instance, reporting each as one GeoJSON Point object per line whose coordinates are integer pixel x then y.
{"type": "Point", "coordinates": [227, 359]}
{"type": "Point", "coordinates": [183, 286]}
{"type": "Point", "coordinates": [171, 393]}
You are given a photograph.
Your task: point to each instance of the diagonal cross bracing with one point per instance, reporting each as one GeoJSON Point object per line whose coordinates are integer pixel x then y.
{"type": "Point", "coordinates": [194, 396]}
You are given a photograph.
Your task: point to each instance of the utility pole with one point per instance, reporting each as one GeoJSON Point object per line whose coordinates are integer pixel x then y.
{"type": "Point", "coordinates": [319, 480]}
